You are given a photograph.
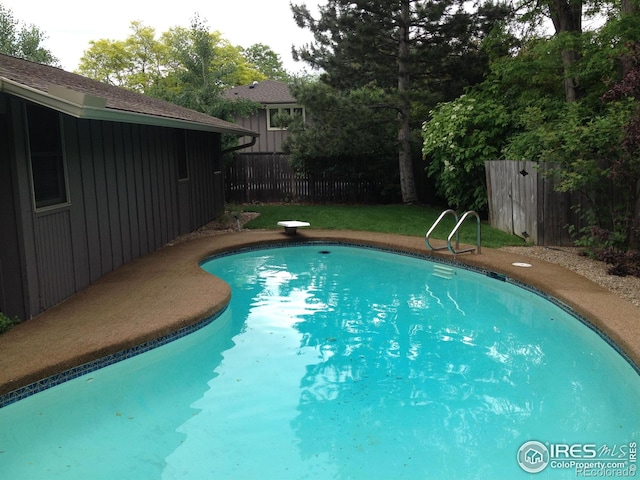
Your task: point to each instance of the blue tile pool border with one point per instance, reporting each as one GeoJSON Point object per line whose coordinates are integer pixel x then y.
{"type": "Point", "coordinates": [57, 379]}
{"type": "Point", "coordinates": [75, 372]}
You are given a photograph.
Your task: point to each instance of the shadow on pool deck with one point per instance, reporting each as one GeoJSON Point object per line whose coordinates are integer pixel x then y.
{"type": "Point", "coordinates": [167, 290]}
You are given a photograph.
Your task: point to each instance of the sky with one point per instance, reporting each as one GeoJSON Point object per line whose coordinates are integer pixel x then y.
{"type": "Point", "coordinates": [71, 24]}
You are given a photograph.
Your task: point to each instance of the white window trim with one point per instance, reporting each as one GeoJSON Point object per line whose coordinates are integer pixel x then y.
{"type": "Point", "coordinates": [281, 107]}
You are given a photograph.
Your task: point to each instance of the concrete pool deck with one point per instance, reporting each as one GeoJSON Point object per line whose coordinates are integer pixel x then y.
{"type": "Point", "coordinates": [166, 290]}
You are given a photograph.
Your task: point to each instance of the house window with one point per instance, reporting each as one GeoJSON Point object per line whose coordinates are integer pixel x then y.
{"type": "Point", "coordinates": [48, 172]}
{"type": "Point", "coordinates": [279, 118]}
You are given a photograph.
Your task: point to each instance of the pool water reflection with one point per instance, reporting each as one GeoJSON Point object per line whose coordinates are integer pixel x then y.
{"type": "Point", "coordinates": [337, 362]}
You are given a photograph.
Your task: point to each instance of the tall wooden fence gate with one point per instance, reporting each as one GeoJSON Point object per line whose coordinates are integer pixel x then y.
{"type": "Point", "coordinates": [523, 201]}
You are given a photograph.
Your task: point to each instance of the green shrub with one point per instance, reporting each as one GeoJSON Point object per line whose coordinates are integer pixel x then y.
{"type": "Point", "coordinates": [6, 323]}
{"type": "Point", "coordinates": [458, 139]}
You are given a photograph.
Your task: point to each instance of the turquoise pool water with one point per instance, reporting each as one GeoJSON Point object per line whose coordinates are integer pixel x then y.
{"type": "Point", "coordinates": [335, 362]}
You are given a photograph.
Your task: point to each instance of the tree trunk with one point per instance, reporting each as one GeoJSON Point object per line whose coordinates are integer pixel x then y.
{"type": "Point", "coordinates": [569, 57]}
{"type": "Point", "coordinates": [627, 7]}
{"type": "Point", "coordinates": [405, 159]}
{"type": "Point", "coordinates": [566, 16]}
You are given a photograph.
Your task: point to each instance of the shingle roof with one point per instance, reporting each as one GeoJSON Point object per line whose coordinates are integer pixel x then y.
{"type": "Point", "coordinates": [267, 92]}
{"type": "Point", "coordinates": [42, 83]}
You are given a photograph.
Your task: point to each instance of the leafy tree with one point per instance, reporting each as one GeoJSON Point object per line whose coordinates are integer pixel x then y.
{"type": "Point", "coordinates": [20, 40]}
{"type": "Point", "coordinates": [415, 51]}
{"type": "Point", "coordinates": [164, 66]}
{"type": "Point", "coordinates": [205, 65]}
{"type": "Point", "coordinates": [626, 168]}
{"type": "Point", "coordinates": [266, 61]}
{"type": "Point", "coordinates": [186, 66]}
{"type": "Point", "coordinates": [136, 63]}
{"type": "Point", "coordinates": [106, 61]}
{"type": "Point", "coordinates": [523, 114]}
{"type": "Point", "coordinates": [458, 139]}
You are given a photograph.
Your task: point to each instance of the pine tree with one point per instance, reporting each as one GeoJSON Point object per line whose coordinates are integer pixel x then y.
{"type": "Point", "coordinates": [417, 51]}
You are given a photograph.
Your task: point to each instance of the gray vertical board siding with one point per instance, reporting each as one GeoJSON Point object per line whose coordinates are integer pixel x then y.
{"type": "Point", "coordinates": [195, 175]}
{"type": "Point", "coordinates": [183, 187]}
{"type": "Point", "coordinates": [121, 182]}
{"type": "Point", "coordinates": [145, 207]}
{"type": "Point", "coordinates": [204, 185]}
{"type": "Point", "coordinates": [12, 295]}
{"type": "Point", "coordinates": [138, 183]}
{"type": "Point", "coordinates": [101, 195]}
{"type": "Point", "coordinates": [218, 178]}
{"type": "Point", "coordinates": [154, 186]}
{"type": "Point", "coordinates": [256, 124]}
{"type": "Point", "coordinates": [168, 183]}
{"type": "Point", "coordinates": [78, 224]}
{"type": "Point", "coordinates": [202, 149]}
{"type": "Point", "coordinates": [269, 141]}
{"type": "Point", "coordinates": [218, 192]}
{"type": "Point", "coordinates": [26, 213]}
{"type": "Point", "coordinates": [184, 207]}
{"type": "Point", "coordinates": [54, 253]}
{"type": "Point", "coordinates": [139, 201]}
{"type": "Point", "coordinates": [112, 192]}
{"type": "Point", "coordinates": [130, 170]}
{"type": "Point", "coordinates": [89, 216]}
{"type": "Point", "coordinates": [123, 203]}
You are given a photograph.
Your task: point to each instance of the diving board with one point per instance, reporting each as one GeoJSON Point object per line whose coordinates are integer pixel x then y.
{"type": "Point", "coordinates": [291, 226]}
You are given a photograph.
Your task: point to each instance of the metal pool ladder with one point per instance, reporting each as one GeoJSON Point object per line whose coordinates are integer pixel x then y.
{"type": "Point", "coordinates": [454, 232]}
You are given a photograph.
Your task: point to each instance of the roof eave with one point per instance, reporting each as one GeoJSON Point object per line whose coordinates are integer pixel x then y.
{"type": "Point", "coordinates": [93, 109]}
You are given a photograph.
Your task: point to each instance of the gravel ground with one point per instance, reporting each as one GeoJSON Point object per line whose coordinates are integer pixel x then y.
{"type": "Point", "coordinates": [568, 257]}
{"type": "Point", "coordinates": [228, 222]}
{"type": "Point", "coordinates": [596, 271]}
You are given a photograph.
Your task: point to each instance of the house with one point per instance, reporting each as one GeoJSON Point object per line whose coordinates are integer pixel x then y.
{"type": "Point", "coordinates": [272, 177]}
{"type": "Point", "coordinates": [277, 102]}
{"type": "Point", "coordinates": [93, 176]}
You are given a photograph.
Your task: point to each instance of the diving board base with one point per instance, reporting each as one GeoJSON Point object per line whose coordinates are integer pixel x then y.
{"type": "Point", "coordinates": [291, 226]}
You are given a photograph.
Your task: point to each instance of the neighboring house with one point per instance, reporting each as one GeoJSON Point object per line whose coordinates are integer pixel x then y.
{"type": "Point", "coordinates": [93, 176]}
{"type": "Point", "coordinates": [277, 102]}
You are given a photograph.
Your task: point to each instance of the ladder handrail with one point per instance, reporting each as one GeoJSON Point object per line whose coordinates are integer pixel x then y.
{"type": "Point", "coordinates": [455, 232]}
{"type": "Point", "coordinates": [433, 227]}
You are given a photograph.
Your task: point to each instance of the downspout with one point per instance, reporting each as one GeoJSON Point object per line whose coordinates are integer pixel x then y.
{"type": "Point", "coordinates": [240, 147]}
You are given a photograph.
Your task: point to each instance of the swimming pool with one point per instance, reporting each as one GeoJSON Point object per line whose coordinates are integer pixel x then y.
{"type": "Point", "coordinates": [339, 362]}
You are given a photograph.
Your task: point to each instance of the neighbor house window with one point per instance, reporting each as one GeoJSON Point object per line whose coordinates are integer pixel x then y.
{"type": "Point", "coordinates": [47, 160]}
{"type": "Point", "coordinates": [279, 118]}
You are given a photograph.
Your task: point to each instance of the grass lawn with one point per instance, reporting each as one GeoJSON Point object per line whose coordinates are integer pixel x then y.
{"type": "Point", "coordinates": [413, 220]}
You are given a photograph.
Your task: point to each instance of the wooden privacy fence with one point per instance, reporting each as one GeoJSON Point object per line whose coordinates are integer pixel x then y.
{"type": "Point", "coordinates": [523, 201]}
{"type": "Point", "coordinates": [270, 178]}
